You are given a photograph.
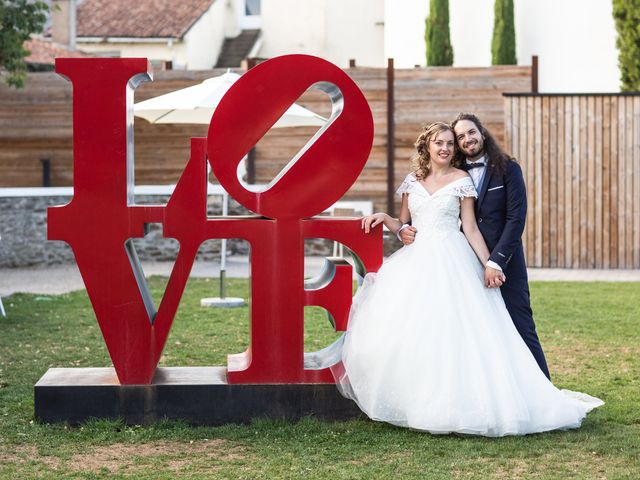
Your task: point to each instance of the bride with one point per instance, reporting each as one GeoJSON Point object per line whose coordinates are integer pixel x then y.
{"type": "Point", "coordinates": [428, 346]}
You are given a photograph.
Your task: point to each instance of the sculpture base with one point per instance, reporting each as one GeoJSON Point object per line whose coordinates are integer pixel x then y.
{"type": "Point", "coordinates": [197, 395]}
{"type": "Point", "coordinates": [227, 302]}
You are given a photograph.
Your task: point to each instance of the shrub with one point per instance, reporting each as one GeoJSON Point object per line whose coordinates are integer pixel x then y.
{"type": "Point", "coordinates": [626, 14]}
{"type": "Point", "coordinates": [439, 50]}
{"type": "Point", "coordinates": [503, 43]}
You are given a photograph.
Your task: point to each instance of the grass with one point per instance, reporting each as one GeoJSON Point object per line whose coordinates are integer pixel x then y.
{"type": "Point", "coordinates": [590, 332]}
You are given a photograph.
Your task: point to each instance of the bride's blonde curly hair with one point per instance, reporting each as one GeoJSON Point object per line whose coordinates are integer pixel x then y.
{"type": "Point", "coordinates": [421, 164]}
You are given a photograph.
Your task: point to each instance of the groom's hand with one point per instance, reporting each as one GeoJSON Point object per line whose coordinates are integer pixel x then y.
{"type": "Point", "coordinates": [493, 278]}
{"type": "Point", "coordinates": [408, 235]}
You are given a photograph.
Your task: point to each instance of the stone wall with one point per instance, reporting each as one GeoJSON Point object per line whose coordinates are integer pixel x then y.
{"type": "Point", "coordinates": [24, 239]}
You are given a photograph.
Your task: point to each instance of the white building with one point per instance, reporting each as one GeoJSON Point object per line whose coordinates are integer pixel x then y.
{"type": "Point", "coordinates": [338, 30]}
{"type": "Point", "coordinates": [190, 34]}
{"type": "Point", "coordinates": [574, 39]}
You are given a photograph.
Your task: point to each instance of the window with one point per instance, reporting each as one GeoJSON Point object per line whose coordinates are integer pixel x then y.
{"type": "Point", "coordinates": [252, 7]}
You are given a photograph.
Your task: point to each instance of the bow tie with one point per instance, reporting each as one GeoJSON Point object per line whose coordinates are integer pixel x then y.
{"type": "Point", "coordinates": [473, 165]}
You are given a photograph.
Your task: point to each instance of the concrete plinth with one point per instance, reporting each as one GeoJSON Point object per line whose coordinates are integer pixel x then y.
{"type": "Point", "coordinates": [217, 302]}
{"type": "Point", "coordinates": [197, 395]}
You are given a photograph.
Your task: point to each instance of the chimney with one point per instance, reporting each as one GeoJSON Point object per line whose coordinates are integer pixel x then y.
{"type": "Point", "coordinates": [63, 23]}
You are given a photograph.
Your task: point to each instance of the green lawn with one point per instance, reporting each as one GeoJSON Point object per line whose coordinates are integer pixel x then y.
{"type": "Point", "coordinates": [590, 332]}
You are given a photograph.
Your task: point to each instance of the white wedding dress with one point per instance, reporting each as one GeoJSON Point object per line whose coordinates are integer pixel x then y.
{"type": "Point", "coordinates": [430, 348]}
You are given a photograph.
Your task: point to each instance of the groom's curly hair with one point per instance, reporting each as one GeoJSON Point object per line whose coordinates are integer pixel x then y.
{"type": "Point", "coordinates": [497, 157]}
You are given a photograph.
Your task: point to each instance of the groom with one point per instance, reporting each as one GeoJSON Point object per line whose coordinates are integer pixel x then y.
{"type": "Point", "coordinates": [501, 211]}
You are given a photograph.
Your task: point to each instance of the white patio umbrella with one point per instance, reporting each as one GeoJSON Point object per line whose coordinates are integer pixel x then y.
{"type": "Point", "coordinates": [196, 104]}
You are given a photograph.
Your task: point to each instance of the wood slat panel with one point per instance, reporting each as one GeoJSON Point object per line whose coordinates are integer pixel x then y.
{"type": "Point", "coordinates": [575, 168]}
{"type": "Point", "coordinates": [545, 200]}
{"type": "Point", "coordinates": [561, 200]}
{"type": "Point", "coordinates": [636, 182]}
{"type": "Point", "coordinates": [523, 159]}
{"type": "Point", "coordinates": [531, 218]}
{"type": "Point", "coordinates": [598, 193]}
{"type": "Point", "coordinates": [622, 151]}
{"type": "Point", "coordinates": [569, 180]}
{"type": "Point", "coordinates": [536, 128]}
{"type": "Point", "coordinates": [583, 177]}
{"type": "Point", "coordinates": [629, 207]}
{"type": "Point", "coordinates": [591, 166]}
{"type": "Point", "coordinates": [613, 228]}
{"type": "Point", "coordinates": [606, 182]}
{"type": "Point", "coordinates": [551, 166]}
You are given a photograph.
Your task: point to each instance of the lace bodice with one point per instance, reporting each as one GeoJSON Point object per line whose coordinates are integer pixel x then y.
{"type": "Point", "coordinates": [438, 212]}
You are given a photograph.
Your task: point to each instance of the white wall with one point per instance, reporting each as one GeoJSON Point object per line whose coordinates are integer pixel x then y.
{"type": "Point", "coordinates": [233, 14]}
{"type": "Point", "coordinates": [404, 32]}
{"type": "Point", "coordinates": [574, 39]}
{"type": "Point", "coordinates": [174, 51]}
{"type": "Point", "coordinates": [471, 28]}
{"type": "Point", "coordinates": [336, 30]}
{"type": "Point", "coordinates": [292, 26]}
{"type": "Point", "coordinates": [204, 40]}
{"type": "Point", "coordinates": [361, 37]}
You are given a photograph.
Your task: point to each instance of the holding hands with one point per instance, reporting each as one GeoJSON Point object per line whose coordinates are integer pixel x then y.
{"type": "Point", "coordinates": [493, 278]}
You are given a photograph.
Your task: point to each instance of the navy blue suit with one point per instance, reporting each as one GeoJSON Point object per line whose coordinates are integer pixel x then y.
{"type": "Point", "coordinates": [501, 211]}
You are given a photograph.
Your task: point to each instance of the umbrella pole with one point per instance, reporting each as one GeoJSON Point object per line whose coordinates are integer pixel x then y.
{"type": "Point", "coordinates": [223, 253]}
{"type": "Point", "coordinates": [222, 277]}
{"type": "Point", "coordinates": [223, 267]}
{"type": "Point", "coordinates": [222, 300]}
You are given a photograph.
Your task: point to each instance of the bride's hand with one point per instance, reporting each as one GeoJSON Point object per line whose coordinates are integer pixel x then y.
{"type": "Point", "coordinates": [493, 278]}
{"type": "Point", "coordinates": [371, 221]}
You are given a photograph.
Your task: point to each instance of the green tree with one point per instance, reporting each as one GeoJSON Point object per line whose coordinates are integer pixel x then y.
{"type": "Point", "coordinates": [439, 50]}
{"type": "Point", "coordinates": [18, 20]}
{"type": "Point", "coordinates": [503, 43]}
{"type": "Point", "coordinates": [626, 14]}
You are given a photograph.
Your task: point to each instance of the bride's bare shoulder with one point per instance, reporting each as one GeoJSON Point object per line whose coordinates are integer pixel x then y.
{"type": "Point", "coordinates": [458, 174]}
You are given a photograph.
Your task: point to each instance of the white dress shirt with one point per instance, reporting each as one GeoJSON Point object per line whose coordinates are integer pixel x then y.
{"type": "Point", "coordinates": [477, 174]}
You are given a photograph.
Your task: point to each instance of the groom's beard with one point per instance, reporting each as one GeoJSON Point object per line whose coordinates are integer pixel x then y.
{"type": "Point", "coordinates": [473, 151]}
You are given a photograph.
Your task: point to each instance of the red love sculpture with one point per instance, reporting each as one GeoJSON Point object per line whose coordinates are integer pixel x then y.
{"type": "Point", "coordinates": [101, 218]}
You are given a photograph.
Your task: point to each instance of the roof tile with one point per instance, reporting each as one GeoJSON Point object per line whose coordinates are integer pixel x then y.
{"type": "Point", "coordinates": [45, 51]}
{"type": "Point", "coordinates": [138, 18]}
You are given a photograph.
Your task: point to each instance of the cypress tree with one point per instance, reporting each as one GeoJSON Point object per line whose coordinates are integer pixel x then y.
{"type": "Point", "coordinates": [626, 14]}
{"type": "Point", "coordinates": [439, 50]}
{"type": "Point", "coordinates": [503, 43]}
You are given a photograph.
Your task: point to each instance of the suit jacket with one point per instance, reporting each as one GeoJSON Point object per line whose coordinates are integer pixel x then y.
{"type": "Point", "coordinates": [501, 211]}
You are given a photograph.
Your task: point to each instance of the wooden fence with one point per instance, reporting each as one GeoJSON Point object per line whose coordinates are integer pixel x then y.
{"type": "Point", "coordinates": [35, 124]}
{"type": "Point", "coordinates": [581, 159]}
